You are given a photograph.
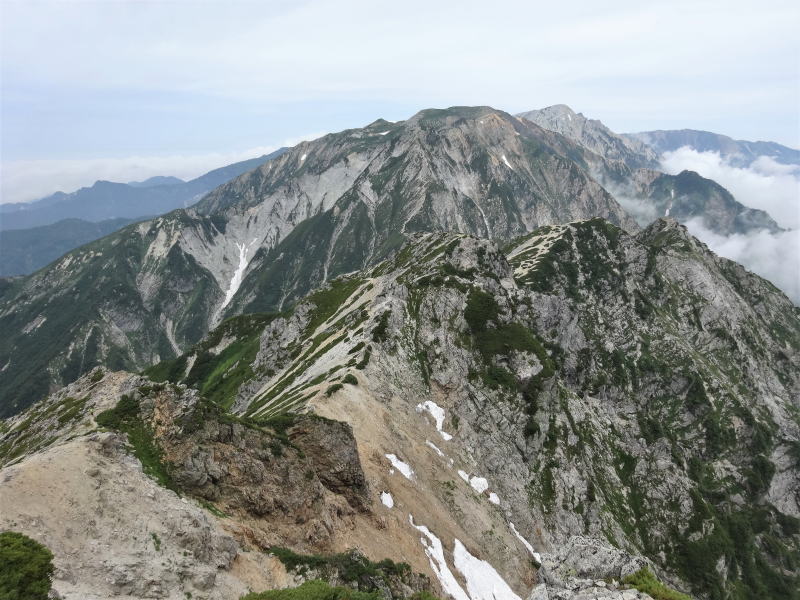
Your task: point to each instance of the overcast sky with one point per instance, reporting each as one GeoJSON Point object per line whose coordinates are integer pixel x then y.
{"type": "Point", "coordinates": [130, 89]}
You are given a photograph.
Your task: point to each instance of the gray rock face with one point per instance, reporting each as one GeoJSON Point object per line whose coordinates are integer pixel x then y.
{"type": "Point", "coordinates": [581, 558]}
{"type": "Point", "coordinates": [585, 590]}
{"type": "Point", "coordinates": [593, 135]}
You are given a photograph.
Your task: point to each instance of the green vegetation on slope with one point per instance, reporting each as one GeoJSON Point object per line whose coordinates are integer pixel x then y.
{"type": "Point", "coordinates": [219, 375]}
{"type": "Point", "coordinates": [58, 321]}
{"type": "Point", "coordinates": [314, 590]}
{"type": "Point", "coordinates": [495, 339]}
{"type": "Point", "coordinates": [23, 251]}
{"type": "Point", "coordinates": [349, 567]}
{"type": "Point", "coordinates": [125, 417]}
{"type": "Point", "coordinates": [26, 568]}
{"type": "Point", "coordinates": [644, 581]}
{"type": "Point", "coordinates": [355, 571]}
{"type": "Point", "coordinates": [329, 299]}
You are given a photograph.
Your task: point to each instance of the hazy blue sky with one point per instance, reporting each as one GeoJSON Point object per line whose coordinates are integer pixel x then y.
{"type": "Point", "coordinates": [123, 90]}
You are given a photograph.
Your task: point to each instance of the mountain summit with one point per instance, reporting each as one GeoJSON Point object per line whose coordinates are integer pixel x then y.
{"type": "Point", "coordinates": [593, 135]}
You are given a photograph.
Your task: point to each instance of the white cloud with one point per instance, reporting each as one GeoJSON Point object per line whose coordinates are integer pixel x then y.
{"type": "Point", "coordinates": [765, 184]}
{"type": "Point", "coordinates": [642, 211]}
{"type": "Point", "coordinates": [25, 180]}
{"type": "Point", "coordinates": [775, 257]}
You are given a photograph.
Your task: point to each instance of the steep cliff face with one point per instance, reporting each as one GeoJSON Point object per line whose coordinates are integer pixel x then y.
{"type": "Point", "coordinates": [469, 170]}
{"type": "Point", "coordinates": [324, 208]}
{"type": "Point", "coordinates": [597, 390]}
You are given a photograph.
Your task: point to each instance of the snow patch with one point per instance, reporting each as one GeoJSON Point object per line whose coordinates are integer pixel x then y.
{"type": "Point", "coordinates": [437, 412]}
{"type": "Point", "coordinates": [401, 466]}
{"type": "Point", "coordinates": [387, 499]}
{"type": "Point", "coordinates": [435, 448]}
{"type": "Point", "coordinates": [435, 553]}
{"type": "Point", "coordinates": [494, 499]}
{"type": "Point", "coordinates": [525, 543]}
{"type": "Point", "coordinates": [508, 164]}
{"type": "Point", "coordinates": [236, 280]}
{"type": "Point", "coordinates": [169, 330]}
{"type": "Point", "coordinates": [483, 582]}
{"type": "Point", "coordinates": [302, 158]}
{"type": "Point", "coordinates": [382, 132]}
{"type": "Point", "coordinates": [479, 484]}
{"type": "Point", "coordinates": [189, 364]}
{"type": "Point", "coordinates": [485, 220]}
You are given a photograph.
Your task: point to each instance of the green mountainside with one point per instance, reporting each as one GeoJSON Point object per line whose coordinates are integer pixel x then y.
{"type": "Point", "coordinates": [24, 251]}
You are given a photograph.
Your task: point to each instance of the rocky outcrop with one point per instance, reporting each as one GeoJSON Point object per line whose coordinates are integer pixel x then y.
{"type": "Point", "coordinates": [586, 590]}
{"type": "Point", "coordinates": [331, 450]}
{"type": "Point", "coordinates": [588, 560]}
{"type": "Point", "coordinates": [298, 477]}
{"type": "Point", "coordinates": [114, 532]}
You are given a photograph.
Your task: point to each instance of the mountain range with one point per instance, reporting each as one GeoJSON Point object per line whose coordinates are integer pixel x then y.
{"type": "Point", "coordinates": [84, 214]}
{"type": "Point", "coordinates": [109, 200]}
{"type": "Point", "coordinates": [439, 356]}
{"type": "Point", "coordinates": [320, 209]}
{"type": "Point", "coordinates": [740, 153]}
{"type": "Point", "coordinates": [32, 248]}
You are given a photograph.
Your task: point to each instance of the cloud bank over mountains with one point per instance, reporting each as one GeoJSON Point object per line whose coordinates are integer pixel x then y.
{"type": "Point", "coordinates": [766, 185]}
{"type": "Point", "coordinates": [774, 256]}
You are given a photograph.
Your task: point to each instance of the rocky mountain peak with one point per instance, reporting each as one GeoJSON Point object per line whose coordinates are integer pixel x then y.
{"type": "Point", "coordinates": [593, 135]}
